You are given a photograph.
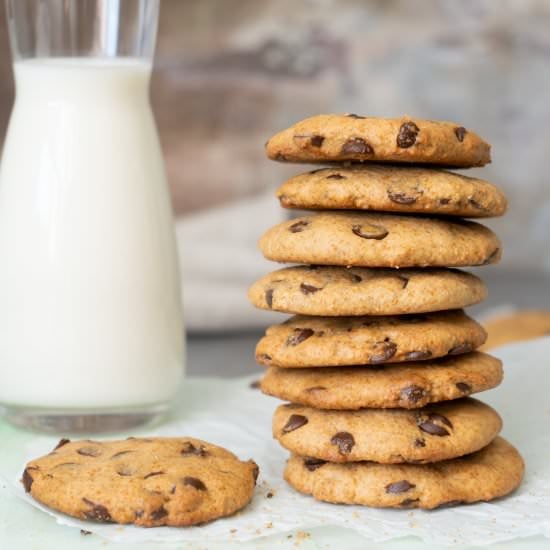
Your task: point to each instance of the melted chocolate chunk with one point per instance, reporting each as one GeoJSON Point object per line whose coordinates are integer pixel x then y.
{"type": "Point", "coordinates": [269, 297]}
{"type": "Point", "coordinates": [27, 480]}
{"type": "Point", "coordinates": [89, 451]}
{"type": "Point", "coordinates": [407, 135]}
{"type": "Point", "coordinates": [428, 424]}
{"type": "Point", "coordinates": [97, 512]}
{"type": "Point", "coordinates": [413, 394]}
{"type": "Point", "coordinates": [299, 335]}
{"type": "Point", "coordinates": [313, 464]}
{"type": "Point", "coordinates": [399, 487]}
{"type": "Point", "coordinates": [314, 389]}
{"type": "Point", "coordinates": [62, 442]}
{"type": "Point", "coordinates": [294, 422]}
{"type": "Point", "coordinates": [449, 503]}
{"type": "Point", "coordinates": [159, 513]}
{"type": "Point", "coordinates": [153, 474]}
{"type": "Point", "coordinates": [463, 387]}
{"type": "Point", "coordinates": [317, 141]}
{"type": "Point", "coordinates": [121, 453]}
{"type": "Point", "coordinates": [308, 289]}
{"type": "Point", "coordinates": [419, 442]}
{"type": "Point", "coordinates": [370, 231]}
{"type": "Point", "coordinates": [344, 441]}
{"type": "Point", "coordinates": [384, 351]}
{"type": "Point", "coordinates": [401, 198]}
{"type": "Point", "coordinates": [404, 281]}
{"type": "Point", "coordinates": [336, 177]}
{"type": "Point", "coordinates": [298, 226]}
{"type": "Point", "coordinates": [190, 449]}
{"type": "Point", "coordinates": [356, 278]}
{"type": "Point", "coordinates": [460, 132]}
{"type": "Point", "coordinates": [356, 145]}
{"type": "Point", "coordinates": [461, 348]}
{"type": "Point", "coordinates": [409, 502]}
{"type": "Point", "coordinates": [418, 355]}
{"type": "Point", "coordinates": [194, 482]}
{"type": "Point", "coordinates": [353, 115]}
{"type": "Point", "coordinates": [444, 201]}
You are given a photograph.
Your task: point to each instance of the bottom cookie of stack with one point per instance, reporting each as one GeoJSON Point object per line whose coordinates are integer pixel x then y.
{"type": "Point", "coordinates": [489, 473]}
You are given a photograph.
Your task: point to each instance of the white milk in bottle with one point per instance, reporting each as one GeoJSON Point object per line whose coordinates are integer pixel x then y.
{"type": "Point", "coordinates": [90, 310]}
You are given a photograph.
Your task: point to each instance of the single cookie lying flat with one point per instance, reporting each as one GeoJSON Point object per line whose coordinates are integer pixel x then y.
{"type": "Point", "coordinates": [436, 432]}
{"type": "Point", "coordinates": [354, 238]}
{"type": "Point", "coordinates": [405, 385]}
{"type": "Point", "coordinates": [393, 189]}
{"type": "Point", "coordinates": [338, 291]}
{"type": "Point", "coordinates": [489, 473]}
{"type": "Point", "coordinates": [147, 482]}
{"type": "Point", "coordinates": [330, 341]}
{"type": "Point", "coordinates": [337, 138]}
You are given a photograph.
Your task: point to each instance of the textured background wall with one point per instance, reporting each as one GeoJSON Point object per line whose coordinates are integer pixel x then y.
{"type": "Point", "coordinates": [230, 72]}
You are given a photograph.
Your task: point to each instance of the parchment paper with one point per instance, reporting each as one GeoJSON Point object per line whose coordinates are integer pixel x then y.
{"type": "Point", "coordinates": [232, 414]}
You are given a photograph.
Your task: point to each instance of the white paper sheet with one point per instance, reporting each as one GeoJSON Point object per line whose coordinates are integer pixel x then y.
{"type": "Point", "coordinates": [231, 414]}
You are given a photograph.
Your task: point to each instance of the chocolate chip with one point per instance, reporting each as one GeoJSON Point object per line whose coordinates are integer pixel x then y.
{"type": "Point", "coordinates": [461, 348]}
{"type": "Point", "coordinates": [298, 336]}
{"type": "Point", "coordinates": [449, 503]}
{"type": "Point", "coordinates": [255, 384]}
{"type": "Point", "coordinates": [399, 487]}
{"type": "Point", "coordinates": [356, 145]}
{"type": "Point", "coordinates": [407, 135]}
{"type": "Point", "coordinates": [463, 387]}
{"type": "Point", "coordinates": [138, 514]}
{"type": "Point", "coordinates": [404, 280]}
{"type": "Point", "coordinates": [159, 513]}
{"type": "Point", "coordinates": [153, 474]}
{"type": "Point", "coordinates": [313, 464]}
{"type": "Point", "coordinates": [370, 231]}
{"type": "Point", "coordinates": [62, 442]}
{"type": "Point", "coordinates": [89, 451]}
{"type": "Point", "coordinates": [409, 502]}
{"type": "Point", "coordinates": [194, 482]}
{"type": "Point", "coordinates": [353, 115]}
{"type": "Point", "coordinates": [298, 226]}
{"type": "Point", "coordinates": [413, 394]}
{"type": "Point", "coordinates": [121, 453]}
{"type": "Point", "coordinates": [344, 441]}
{"type": "Point", "coordinates": [428, 424]}
{"type": "Point", "coordinates": [27, 480]}
{"type": "Point", "coordinates": [418, 355]}
{"type": "Point", "coordinates": [279, 156]}
{"type": "Point", "coordinates": [460, 132]}
{"type": "Point", "coordinates": [294, 422]}
{"type": "Point", "coordinates": [336, 177]}
{"type": "Point", "coordinates": [98, 512]}
{"type": "Point", "coordinates": [401, 198]}
{"type": "Point", "coordinates": [477, 205]}
{"type": "Point", "coordinates": [419, 442]}
{"type": "Point", "coordinates": [444, 201]}
{"type": "Point", "coordinates": [315, 389]}
{"type": "Point", "coordinates": [317, 141]}
{"type": "Point", "coordinates": [308, 289]}
{"type": "Point", "coordinates": [269, 297]}
{"type": "Point", "coordinates": [384, 351]}
{"type": "Point", "coordinates": [190, 449]}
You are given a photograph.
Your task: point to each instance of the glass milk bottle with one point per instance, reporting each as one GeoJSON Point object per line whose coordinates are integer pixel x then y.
{"type": "Point", "coordinates": [91, 334]}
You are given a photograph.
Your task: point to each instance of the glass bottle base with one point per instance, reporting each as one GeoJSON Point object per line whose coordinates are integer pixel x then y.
{"type": "Point", "coordinates": [74, 421]}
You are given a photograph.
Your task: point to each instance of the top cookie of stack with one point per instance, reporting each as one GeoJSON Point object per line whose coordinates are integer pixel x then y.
{"type": "Point", "coordinates": [365, 377]}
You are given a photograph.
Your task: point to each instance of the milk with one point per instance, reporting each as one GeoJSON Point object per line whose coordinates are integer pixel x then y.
{"type": "Point", "coordinates": [89, 289]}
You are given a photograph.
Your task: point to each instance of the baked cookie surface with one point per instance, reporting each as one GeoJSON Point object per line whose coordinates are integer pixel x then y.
{"type": "Point", "coordinates": [393, 189]}
{"type": "Point", "coordinates": [489, 473]}
{"type": "Point", "coordinates": [331, 341]}
{"type": "Point", "coordinates": [403, 385]}
{"type": "Point", "coordinates": [351, 238]}
{"type": "Point", "coordinates": [340, 291]}
{"type": "Point", "coordinates": [146, 482]}
{"type": "Point", "coordinates": [435, 432]}
{"type": "Point", "coordinates": [338, 138]}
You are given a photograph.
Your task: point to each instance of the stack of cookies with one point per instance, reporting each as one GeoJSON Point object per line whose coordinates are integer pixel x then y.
{"type": "Point", "coordinates": [379, 359]}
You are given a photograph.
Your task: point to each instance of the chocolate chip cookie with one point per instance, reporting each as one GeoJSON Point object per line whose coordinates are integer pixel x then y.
{"type": "Point", "coordinates": [339, 291]}
{"type": "Point", "coordinates": [363, 239]}
{"type": "Point", "coordinates": [331, 341]}
{"type": "Point", "coordinates": [489, 473]}
{"type": "Point", "coordinates": [435, 432]}
{"type": "Point", "coordinates": [405, 385]}
{"type": "Point", "coordinates": [393, 189]}
{"type": "Point", "coordinates": [147, 482]}
{"type": "Point", "coordinates": [338, 138]}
